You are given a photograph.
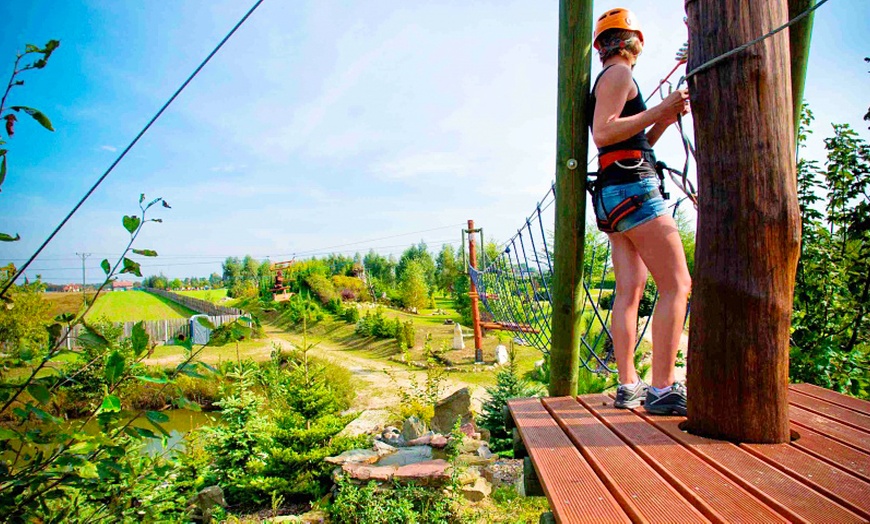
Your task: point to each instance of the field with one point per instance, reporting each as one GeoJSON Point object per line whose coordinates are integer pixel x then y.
{"type": "Point", "coordinates": [126, 306]}
{"type": "Point", "coordinates": [215, 296]}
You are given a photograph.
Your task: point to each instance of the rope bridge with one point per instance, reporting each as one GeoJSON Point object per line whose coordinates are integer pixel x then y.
{"type": "Point", "coordinates": [514, 288]}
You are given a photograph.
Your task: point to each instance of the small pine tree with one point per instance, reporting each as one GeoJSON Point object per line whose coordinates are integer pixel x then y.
{"type": "Point", "coordinates": [508, 385]}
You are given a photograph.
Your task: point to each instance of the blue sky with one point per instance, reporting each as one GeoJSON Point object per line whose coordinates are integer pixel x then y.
{"type": "Point", "coordinates": [322, 125]}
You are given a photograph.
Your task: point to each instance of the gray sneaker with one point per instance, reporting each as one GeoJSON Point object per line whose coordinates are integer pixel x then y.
{"type": "Point", "coordinates": [628, 397]}
{"type": "Point", "coordinates": [672, 401]}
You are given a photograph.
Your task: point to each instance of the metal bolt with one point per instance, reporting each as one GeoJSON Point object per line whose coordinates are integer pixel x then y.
{"type": "Point", "coordinates": [572, 164]}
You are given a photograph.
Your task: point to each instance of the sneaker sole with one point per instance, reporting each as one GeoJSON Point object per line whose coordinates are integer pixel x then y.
{"type": "Point", "coordinates": [665, 411]}
{"type": "Point", "coordinates": [628, 405]}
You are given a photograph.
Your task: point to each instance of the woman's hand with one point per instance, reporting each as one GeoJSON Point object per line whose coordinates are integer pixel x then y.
{"type": "Point", "coordinates": [676, 104]}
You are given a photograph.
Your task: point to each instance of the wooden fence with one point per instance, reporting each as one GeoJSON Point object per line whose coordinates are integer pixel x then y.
{"type": "Point", "coordinates": [200, 306]}
{"type": "Point", "coordinates": [160, 331]}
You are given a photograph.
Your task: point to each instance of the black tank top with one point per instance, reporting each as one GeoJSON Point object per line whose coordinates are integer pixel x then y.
{"type": "Point", "coordinates": [631, 108]}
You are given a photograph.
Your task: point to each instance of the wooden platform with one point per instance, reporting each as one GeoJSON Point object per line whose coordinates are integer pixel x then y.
{"type": "Point", "coordinates": [601, 464]}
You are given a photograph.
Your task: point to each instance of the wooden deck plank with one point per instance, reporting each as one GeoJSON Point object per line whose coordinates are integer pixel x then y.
{"type": "Point", "coordinates": [861, 406]}
{"type": "Point", "coordinates": [832, 481]}
{"type": "Point", "coordinates": [642, 493]}
{"type": "Point", "coordinates": [830, 428]}
{"type": "Point", "coordinates": [833, 411]}
{"type": "Point", "coordinates": [573, 489]}
{"type": "Point", "coordinates": [846, 457]}
{"type": "Point", "coordinates": [693, 478]}
{"type": "Point", "coordinates": [791, 498]}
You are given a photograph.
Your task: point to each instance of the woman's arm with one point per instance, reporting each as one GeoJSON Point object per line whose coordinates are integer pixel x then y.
{"type": "Point", "coordinates": [615, 88]}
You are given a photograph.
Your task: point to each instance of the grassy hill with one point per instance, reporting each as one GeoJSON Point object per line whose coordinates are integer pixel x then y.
{"type": "Point", "coordinates": [215, 296]}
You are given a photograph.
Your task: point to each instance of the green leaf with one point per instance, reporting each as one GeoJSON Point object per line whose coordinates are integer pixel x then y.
{"type": "Point", "coordinates": [205, 322]}
{"type": "Point", "coordinates": [157, 417]}
{"type": "Point", "coordinates": [131, 223]}
{"type": "Point", "coordinates": [88, 470]}
{"type": "Point", "coordinates": [107, 268]}
{"type": "Point", "coordinates": [153, 380]}
{"type": "Point", "coordinates": [208, 367]}
{"type": "Point", "coordinates": [144, 432]}
{"type": "Point", "coordinates": [39, 392]}
{"type": "Point", "coordinates": [244, 319]}
{"type": "Point", "coordinates": [111, 403]}
{"type": "Point", "coordinates": [92, 338]}
{"type": "Point", "coordinates": [141, 197]}
{"type": "Point", "coordinates": [30, 48]}
{"type": "Point", "coordinates": [8, 434]}
{"type": "Point", "coordinates": [65, 317]}
{"type": "Point", "coordinates": [3, 169]}
{"type": "Point", "coordinates": [36, 114]}
{"type": "Point", "coordinates": [9, 238]}
{"type": "Point", "coordinates": [139, 338]}
{"type": "Point", "coordinates": [190, 372]}
{"type": "Point", "coordinates": [145, 252]}
{"type": "Point", "coordinates": [160, 428]}
{"type": "Point", "coordinates": [114, 367]}
{"type": "Point", "coordinates": [132, 267]}
{"type": "Point", "coordinates": [82, 448]}
{"type": "Point", "coordinates": [54, 332]}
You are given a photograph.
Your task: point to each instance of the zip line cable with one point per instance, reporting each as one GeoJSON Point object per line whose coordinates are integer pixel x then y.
{"type": "Point", "coordinates": [127, 149]}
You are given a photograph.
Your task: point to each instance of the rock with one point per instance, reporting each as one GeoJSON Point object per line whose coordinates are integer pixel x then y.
{"type": "Point", "coordinates": [405, 456]}
{"type": "Point", "coordinates": [312, 517]}
{"type": "Point", "coordinates": [504, 472]}
{"type": "Point", "coordinates": [423, 440]}
{"type": "Point", "coordinates": [484, 434]}
{"type": "Point", "coordinates": [457, 405]}
{"type": "Point", "coordinates": [413, 428]}
{"type": "Point", "coordinates": [468, 429]}
{"type": "Point", "coordinates": [484, 452]}
{"type": "Point", "coordinates": [203, 504]}
{"type": "Point", "coordinates": [458, 342]}
{"type": "Point", "coordinates": [469, 459]}
{"type": "Point", "coordinates": [366, 472]}
{"type": "Point", "coordinates": [478, 491]}
{"type": "Point", "coordinates": [424, 473]}
{"type": "Point", "coordinates": [359, 456]}
{"type": "Point", "coordinates": [501, 355]}
{"type": "Point", "coordinates": [438, 441]}
{"type": "Point", "coordinates": [469, 445]}
{"type": "Point", "coordinates": [392, 436]}
{"type": "Point", "coordinates": [383, 449]}
{"type": "Point", "coordinates": [368, 422]}
{"type": "Point", "coordinates": [468, 476]}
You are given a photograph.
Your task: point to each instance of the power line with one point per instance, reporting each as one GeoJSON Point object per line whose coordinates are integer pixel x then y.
{"type": "Point", "coordinates": [127, 149]}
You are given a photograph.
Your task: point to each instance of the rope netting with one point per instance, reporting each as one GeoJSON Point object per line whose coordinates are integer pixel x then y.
{"type": "Point", "coordinates": [515, 289]}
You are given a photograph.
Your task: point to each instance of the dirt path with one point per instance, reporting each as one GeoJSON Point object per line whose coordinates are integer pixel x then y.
{"type": "Point", "coordinates": [380, 380]}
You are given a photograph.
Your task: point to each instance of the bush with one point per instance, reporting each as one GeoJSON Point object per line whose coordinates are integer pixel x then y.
{"type": "Point", "coordinates": [409, 504]}
{"type": "Point", "coordinates": [351, 315]}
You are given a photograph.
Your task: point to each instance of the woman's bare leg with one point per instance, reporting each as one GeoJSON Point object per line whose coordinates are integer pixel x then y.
{"type": "Point", "coordinates": [631, 274]}
{"type": "Point", "coordinates": [658, 244]}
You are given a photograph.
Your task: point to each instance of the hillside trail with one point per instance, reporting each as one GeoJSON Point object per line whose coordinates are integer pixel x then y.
{"type": "Point", "coordinates": [379, 381]}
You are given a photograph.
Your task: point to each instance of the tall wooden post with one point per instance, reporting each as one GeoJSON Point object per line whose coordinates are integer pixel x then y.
{"type": "Point", "coordinates": [475, 307]}
{"type": "Point", "coordinates": [748, 236]}
{"type": "Point", "coordinates": [572, 131]}
{"type": "Point", "coordinates": [799, 36]}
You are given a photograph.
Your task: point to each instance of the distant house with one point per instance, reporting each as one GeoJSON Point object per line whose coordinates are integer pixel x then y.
{"type": "Point", "coordinates": [122, 285]}
{"type": "Point", "coordinates": [72, 288]}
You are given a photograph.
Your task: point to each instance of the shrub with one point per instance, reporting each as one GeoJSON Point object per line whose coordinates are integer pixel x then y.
{"type": "Point", "coordinates": [351, 315]}
{"type": "Point", "coordinates": [409, 504]}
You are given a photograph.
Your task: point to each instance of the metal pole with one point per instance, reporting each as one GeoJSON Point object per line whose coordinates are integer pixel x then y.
{"type": "Point", "coordinates": [799, 37]}
{"type": "Point", "coordinates": [83, 257]}
{"type": "Point", "coordinates": [475, 310]}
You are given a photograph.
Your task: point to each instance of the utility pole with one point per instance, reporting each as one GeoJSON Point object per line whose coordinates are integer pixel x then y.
{"type": "Point", "coordinates": [748, 236]}
{"type": "Point", "coordinates": [475, 308]}
{"type": "Point", "coordinates": [572, 142]}
{"type": "Point", "coordinates": [83, 256]}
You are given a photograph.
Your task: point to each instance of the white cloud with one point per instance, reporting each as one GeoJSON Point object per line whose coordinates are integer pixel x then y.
{"type": "Point", "coordinates": [113, 149]}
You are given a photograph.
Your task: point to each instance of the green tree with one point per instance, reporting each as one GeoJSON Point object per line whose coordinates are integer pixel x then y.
{"type": "Point", "coordinates": [23, 331]}
{"type": "Point", "coordinates": [413, 286]}
{"type": "Point", "coordinates": [830, 323]}
{"type": "Point", "coordinates": [420, 254]}
{"type": "Point", "coordinates": [446, 269]}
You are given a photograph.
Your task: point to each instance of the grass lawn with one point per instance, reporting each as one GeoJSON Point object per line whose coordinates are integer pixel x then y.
{"type": "Point", "coordinates": [215, 296]}
{"type": "Point", "coordinates": [64, 302]}
{"type": "Point", "coordinates": [126, 306]}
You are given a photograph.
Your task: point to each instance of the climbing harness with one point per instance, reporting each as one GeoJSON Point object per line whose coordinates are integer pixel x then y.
{"type": "Point", "coordinates": [622, 209]}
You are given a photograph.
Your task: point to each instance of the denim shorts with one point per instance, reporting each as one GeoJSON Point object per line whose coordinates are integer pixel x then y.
{"type": "Point", "coordinates": [609, 197]}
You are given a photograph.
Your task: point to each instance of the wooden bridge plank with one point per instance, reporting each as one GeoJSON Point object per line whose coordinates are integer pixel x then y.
{"type": "Point", "coordinates": [833, 452]}
{"type": "Point", "coordinates": [861, 406]}
{"type": "Point", "coordinates": [709, 490]}
{"type": "Point", "coordinates": [832, 411]}
{"type": "Point", "coordinates": [793, 499]}
{"type": "Point", "coordinates": [830, 428]}
{"type": "Point", "coordinates": [641, 492]}
{"type": "Point", "coordinates": [844, 488]}
{"type": "Point", "coordinates": [572, 487]}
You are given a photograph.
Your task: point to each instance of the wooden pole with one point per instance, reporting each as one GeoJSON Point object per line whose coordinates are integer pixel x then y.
{"type": "Point", "coordinates": [572, 142]}
{"type": "Point", "coordinates": [475, 308]}
{"type": "Point", "coordinates": [748, 235]}
{"type": "Point", "coordinates": [799, 37]}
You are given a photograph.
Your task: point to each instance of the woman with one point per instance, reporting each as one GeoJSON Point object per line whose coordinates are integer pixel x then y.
{"type": "Point", "coordinates": [630, 208]}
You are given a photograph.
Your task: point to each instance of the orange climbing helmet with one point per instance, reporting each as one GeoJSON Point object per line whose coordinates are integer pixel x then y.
{"type": "Point", "coordinates": [619, 18]}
